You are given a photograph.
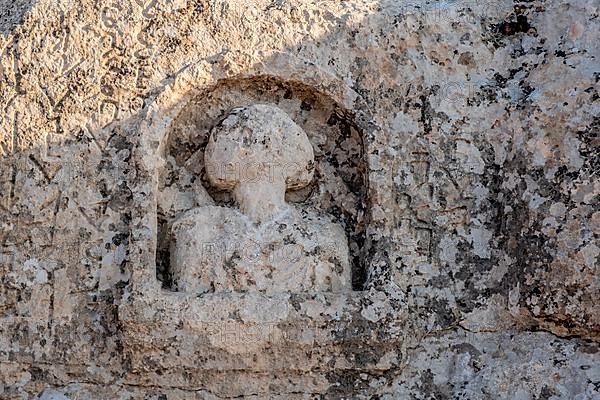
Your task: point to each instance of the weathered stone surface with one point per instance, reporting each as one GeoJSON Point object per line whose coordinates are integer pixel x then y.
{"type": "Point", "coordinates": [456, 143]}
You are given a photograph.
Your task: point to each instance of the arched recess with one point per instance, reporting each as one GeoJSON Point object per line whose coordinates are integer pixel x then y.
{"type": "Point", "coordinates": [174, 132]}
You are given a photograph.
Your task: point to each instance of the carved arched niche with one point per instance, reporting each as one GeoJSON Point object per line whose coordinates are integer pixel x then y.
{"type": "Point", "coordinates": [339, 187]}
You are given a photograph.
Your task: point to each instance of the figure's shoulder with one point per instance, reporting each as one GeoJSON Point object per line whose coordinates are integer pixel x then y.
{"type": "Point", "coordinates": [320, 225]}
{"type": "Point", "coordinates": [318, 220]}
{"type": "Point", "coordinates": [198, 212]}
{"type": "Point", "coordinates": [208, 216]}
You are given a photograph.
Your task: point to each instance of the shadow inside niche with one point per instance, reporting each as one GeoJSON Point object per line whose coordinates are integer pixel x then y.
{"type": "Point", "coordinates": [12, 13]}
{"type": "Point", "coordinates": [340, 184]}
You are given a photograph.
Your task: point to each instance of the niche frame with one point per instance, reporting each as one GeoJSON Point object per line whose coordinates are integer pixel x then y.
{"type": "Point", "coordinates": [340, 184]}
{"type": "Point", "coordinates": [165, 332]}
{"type": "Point", "coordinates": [202, 77]}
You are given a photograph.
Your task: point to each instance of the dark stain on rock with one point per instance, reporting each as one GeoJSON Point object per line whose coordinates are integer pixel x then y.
{"type": "Point", "coordinates": [433, 391]}
{"type": "Point", "coordinates": [508, 28]}
{"type": "Point", "coordinates": [467, 59]}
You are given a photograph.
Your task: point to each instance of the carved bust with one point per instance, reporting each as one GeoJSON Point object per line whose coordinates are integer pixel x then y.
{"type": "Point", "coordinates": [266, 244]}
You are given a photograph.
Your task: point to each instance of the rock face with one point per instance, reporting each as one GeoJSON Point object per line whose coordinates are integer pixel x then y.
{"type": "Point", "coordinates": [441, 205]}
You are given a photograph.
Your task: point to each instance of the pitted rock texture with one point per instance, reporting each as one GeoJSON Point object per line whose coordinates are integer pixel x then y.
{"type": "Point", "coordinates": [469, 136]}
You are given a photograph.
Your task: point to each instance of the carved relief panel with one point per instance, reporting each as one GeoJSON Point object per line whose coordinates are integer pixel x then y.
{"type": "Point", "coordinates": [254, 213]}
{"type": "Point", "coordinates": [262, 188]}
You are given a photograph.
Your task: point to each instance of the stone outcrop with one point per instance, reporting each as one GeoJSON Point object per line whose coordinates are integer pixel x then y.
{"type": "Point", "coordinates": [453, 190]}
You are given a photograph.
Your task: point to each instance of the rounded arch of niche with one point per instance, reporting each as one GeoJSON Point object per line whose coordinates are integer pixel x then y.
{"type": "Point", "coordinates": [339, 187]}
{"type": "Point", "coordinates": [175, 132]}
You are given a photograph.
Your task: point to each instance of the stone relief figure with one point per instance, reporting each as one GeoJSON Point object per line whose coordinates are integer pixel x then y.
{"type": "Point", "coordinates": [266, 244]}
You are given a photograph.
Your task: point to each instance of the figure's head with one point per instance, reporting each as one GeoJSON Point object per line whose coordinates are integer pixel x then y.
{"type": "Point", "coordinates": [258, 143]}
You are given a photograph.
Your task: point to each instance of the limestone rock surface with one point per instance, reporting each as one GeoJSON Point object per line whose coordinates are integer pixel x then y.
{"type": "Point", "coordinates": [456, 148]}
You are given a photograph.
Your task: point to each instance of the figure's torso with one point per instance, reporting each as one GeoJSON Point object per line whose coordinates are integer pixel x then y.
{"type": "Point", "coordinates": [221, 249]}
